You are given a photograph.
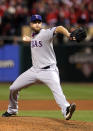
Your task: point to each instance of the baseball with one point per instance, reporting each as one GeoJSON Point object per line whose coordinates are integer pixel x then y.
{"type": "Point", "coordinates": [24, 38]}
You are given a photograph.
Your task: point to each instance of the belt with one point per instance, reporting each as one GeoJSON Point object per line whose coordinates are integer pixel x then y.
{"type": "Point", "coordinates": [46, 67]}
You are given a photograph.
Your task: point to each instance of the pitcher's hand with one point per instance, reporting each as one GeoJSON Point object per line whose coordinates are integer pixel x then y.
{"type": "Point", "coordinates": [26, 38]}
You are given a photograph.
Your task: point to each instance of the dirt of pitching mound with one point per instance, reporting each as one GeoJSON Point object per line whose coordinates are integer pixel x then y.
{"type": "Point", "coordinates": [42, 124]}
{"type": "Point", "coordinates": [46, 104]}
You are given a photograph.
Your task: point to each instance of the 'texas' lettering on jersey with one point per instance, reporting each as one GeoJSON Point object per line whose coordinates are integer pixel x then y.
{"type": "Point", "coordinates": [35, 43]}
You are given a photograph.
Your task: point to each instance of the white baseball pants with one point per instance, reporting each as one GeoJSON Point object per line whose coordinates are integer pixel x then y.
{"type": "Point", "coordinates": [50, 77]}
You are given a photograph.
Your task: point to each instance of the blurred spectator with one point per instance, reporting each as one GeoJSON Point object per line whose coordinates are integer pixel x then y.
{"type": "Point", "coordinates": [13, 15]}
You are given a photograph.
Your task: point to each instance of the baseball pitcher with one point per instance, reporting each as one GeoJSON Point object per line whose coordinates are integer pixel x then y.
{"type": "Point", "coordinates": [44, 67]}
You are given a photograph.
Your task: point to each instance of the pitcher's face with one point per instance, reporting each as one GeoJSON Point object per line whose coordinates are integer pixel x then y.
{"type": "Point", "coordinates": [36, 25]}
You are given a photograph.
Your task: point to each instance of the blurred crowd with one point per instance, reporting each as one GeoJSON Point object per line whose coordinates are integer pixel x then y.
{"type": "Point", "coordinates": [14, 14]}
{"type": "Point", "coordinates": [66, 12]}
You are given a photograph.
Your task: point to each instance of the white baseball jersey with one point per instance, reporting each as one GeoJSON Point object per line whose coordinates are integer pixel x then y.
{"type": "Point", "coordinates": [42, 48]}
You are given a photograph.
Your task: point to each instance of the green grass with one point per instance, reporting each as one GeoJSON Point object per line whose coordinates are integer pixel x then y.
{"type": "Point", "coordinates": [78, 91]}
{"type": "Point", "coordinates": [71, 91]}
{"type": "Point", "coordinates": [78, 115]}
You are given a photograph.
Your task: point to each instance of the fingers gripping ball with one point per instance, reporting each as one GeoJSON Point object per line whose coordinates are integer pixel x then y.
{"type": "Point", "coordinates": [26, 38]}
{"type": "Point", "coordinates": [80, 34]}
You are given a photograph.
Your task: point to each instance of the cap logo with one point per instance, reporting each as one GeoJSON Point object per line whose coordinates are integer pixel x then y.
{"type": "Point", "coordinates": [36, 16]}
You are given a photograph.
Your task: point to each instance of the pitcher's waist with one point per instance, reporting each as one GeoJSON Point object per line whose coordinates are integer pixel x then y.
{"type": "Point", "coordinates": [45, 67]}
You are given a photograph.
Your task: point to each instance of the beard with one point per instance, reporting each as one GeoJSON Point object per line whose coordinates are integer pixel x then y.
{"type": "Point", "coordinates": [36, 30]}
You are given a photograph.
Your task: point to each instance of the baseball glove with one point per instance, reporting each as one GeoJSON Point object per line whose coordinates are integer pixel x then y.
{"type": "Point", "coordinates": [79, 34]}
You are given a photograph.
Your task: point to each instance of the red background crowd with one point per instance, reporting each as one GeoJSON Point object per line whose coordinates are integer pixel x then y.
{"type": "Point", "coordinates": [16, 13]}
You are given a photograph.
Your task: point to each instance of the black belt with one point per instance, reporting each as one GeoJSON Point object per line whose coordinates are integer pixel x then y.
{"type": "Point", "coordinates": [46, 67]}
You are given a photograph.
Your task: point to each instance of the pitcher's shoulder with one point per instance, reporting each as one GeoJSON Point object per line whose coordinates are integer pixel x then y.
{"type": "Point", "coordinates": [47, 29]}
{"type": "Point", "coordinates": [44, 31]}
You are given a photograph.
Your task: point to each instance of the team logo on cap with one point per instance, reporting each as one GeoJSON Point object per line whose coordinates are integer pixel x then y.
{"type": "Point", "coordinates": [36, 16]}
